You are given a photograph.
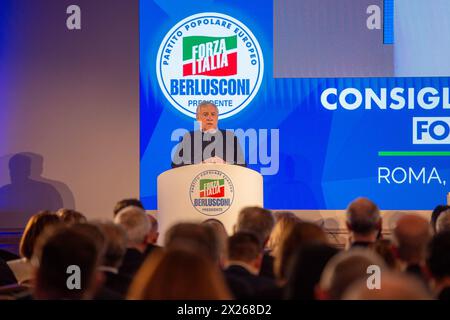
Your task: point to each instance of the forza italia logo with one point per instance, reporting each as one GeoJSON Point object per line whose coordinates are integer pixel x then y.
{"type": "Point", "coordinates": [210, 56]}
{"type": "Point", "coordinates": [211, 193]}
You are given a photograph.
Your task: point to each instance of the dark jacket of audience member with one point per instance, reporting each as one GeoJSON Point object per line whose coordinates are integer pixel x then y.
{"type": "Point", "coordinates": [245, 256]}
{"type": "Point", "coordinates": [306, 269]}
{"type": "Point", "coordinates": [438, 263]}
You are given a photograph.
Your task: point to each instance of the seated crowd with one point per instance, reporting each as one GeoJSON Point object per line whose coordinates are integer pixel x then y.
{"type": "Point", "coordinates": [268, 256]}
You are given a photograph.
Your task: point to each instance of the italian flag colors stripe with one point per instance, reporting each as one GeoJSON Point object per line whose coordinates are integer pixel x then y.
{"type": "Point", "coordinates": [210, 188]}
{"type": "Point", "coordinates": [209, 56]}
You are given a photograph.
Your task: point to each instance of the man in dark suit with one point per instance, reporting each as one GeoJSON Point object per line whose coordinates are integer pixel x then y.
{"type": "Point", "coordinates": [209, 144]}
{"type": "Point", "coordinates": [137, 227]}
{"type": "Point", "coordinates": [363, 223]}
{"type": "Point", "coordinates": [260, 222]}
{"type": "Point", "coordinates": [245, 256]}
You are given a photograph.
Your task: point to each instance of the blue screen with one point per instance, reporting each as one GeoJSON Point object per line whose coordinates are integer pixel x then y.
{"type": "Point", "coordinates": [359, 110]}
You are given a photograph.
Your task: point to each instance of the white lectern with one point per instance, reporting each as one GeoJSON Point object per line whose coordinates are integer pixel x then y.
{"type": "Point", "coordinates": [196, 193]}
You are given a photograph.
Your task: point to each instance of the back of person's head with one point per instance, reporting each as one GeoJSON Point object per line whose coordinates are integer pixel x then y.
{"type": "Point", "coordinates": [284, 221]}
{"type": "Point", "coordinates": [393, 286]}
{"type": "Point", "coordinates": [301, 234]}
{"type": "Point", "coordinates": [196, 237]}
{"type": "Point", "coordinates": [35, 227]}
{"type": "Point", "coordinates": [412, 234]}
{"type": "Point", "coordinates": [115, 244]}
{"type": "Point", "coordinates": [257, 220]}
{"type": "Point", "coordinates": [363, 217]}
{"type": "Point", "coordinates": [344, 269]}
{"type": "Point", "coordinates": [436, 213]}
{"type": "Point", "coordinates": [443, 221]}
{"type": "Point", "coordinates": [125, 203]}
{"type": "Point", "coordinates": [69, 216]}
{"type": "Point", "coordinates": [178, 274]}
{"type": "Point", "coordinates": [222, 236]}
{"type": "Point", "coordinates": [244, 247]}
{"type": "Point", "coordinates": [438, 260]}
{"type": "Point", "coordinates": [93, 231]}
{"type": "Point", "coordinates": [384, 248]}
{"type": "Point", "coordinates": [136, 224]}
{"type": "Point", "coordinates": [66, 262]}
{"type": "Point", "coordinates": [304, 274]}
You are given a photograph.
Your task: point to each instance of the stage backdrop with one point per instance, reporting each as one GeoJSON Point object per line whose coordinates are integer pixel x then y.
{"type": "Point", "coordinates": [357, 89]}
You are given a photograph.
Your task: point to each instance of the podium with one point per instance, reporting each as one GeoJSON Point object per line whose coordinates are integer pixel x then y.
{"type": "Point", "coordinates": [196, 193]}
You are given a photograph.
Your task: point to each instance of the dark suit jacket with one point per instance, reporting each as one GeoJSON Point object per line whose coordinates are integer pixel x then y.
{"type": "Point", "coordinates": [131, 263]}
{"type": "Point", "coordinates": [258, 285]}
{"type": "Point", "coordinates": [6, 275]}
{"type": "Point", "coordinates": [7, 256]}
{"type": "Point", "coordinates": [267, 266]}
{"type": "Point", "coordinates": [191, 149]}
{"type": "Point", "coordinates": [117, 283]}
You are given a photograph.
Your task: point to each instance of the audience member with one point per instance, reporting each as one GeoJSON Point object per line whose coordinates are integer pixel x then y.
{"type": "Point", "coordinates": [302, 233]}
{"type": "Point", "coordinates": [222, 236]}
{"type": "Point", "coordinates": [260, 222]}
{"type": "Point", "coordinates": [63, 253]}
{"type": "Point", "coordinates": [125, 203]}
{"type": "Point", "coordinates": [178, 274]}
{"type": "Point", "coordinates": [244, 262]}
{"type": "Point", "coordinates": [200, 238]}
{"type": "Point", "coordinates": [443, 221]}
{"type": "Point", "coordinates": [137, 227]}
{"type": "Point", "coordinates": [306, 269]}
{"type": "Point", "coordinates": [393, 286]}
{"type": "Point", "coordinates": [115, 248]}
{"type": "Point", "coordinates": [385, 249]}
{"type": "Point", "coordinates": [35, 227]}
{"type": "Point", "coordinates": [343, 270]}
{"type": "Point", "coordinates": [153, 235]}
{"type": "Point", "coordinates": [6, 275]}
{"type": "Point", "coordinates": [435, 215]}
{"type": "Point", "coordinates": [284, 222]}
{"type": "Point", "coordinates": [363, 222]}
{"type": "Point", "coordinates": [438, 262]}
{"type": "Point", "coordinates": [411, 237]}
{"type": "Point", "coordinates": [69, 216]}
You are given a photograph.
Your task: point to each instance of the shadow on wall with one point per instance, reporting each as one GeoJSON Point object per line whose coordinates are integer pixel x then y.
{"type": "Point", "coordinates": [28, 192]}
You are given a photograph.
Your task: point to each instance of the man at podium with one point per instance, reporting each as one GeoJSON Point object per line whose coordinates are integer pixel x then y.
{"type": "Point", "coordinates": [209, 144]}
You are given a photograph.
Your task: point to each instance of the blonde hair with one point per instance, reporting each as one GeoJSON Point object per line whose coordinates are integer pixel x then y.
{"type": "Point", "coordinates": [178, 274]}
{"type": "Point", "coordinates": [283, 225]}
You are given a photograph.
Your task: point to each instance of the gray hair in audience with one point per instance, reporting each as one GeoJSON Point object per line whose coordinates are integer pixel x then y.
{"type": "Point", "coordinates": [116, 243]}
{"type": "Point", "coordinates": [393, 286]}
{"type": "Point", "coordinates": [443, 221]}
{"type": "Point", "coordinates": [201, 238]}
{"type": "Point", "coordinates": [363, 216]}
{"type": "Point", "coordinates": [135, 222]}
{"type": "Point", "coordinates": [345, 268]}
{"type": "Point", "coordinates": [256, 220]}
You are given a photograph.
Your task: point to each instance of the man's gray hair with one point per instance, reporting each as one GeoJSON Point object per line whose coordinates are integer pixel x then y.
{"type": "Point", "coordinates": [136, 224]}
{"type": "Point", "coordinates": [443, 221]}
{"type": "Point", "coordinates": [206, 103]}
{"type": "Point", "coordinates": [363, 216]}
{"type": "Point", "coordinates": [345, 268]}
{"type": "Point", "coordinates": [256, 220]}
{"type": "Point", "coordinates": [116, 243]}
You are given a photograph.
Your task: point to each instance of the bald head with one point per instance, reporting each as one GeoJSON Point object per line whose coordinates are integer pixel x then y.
{"type": "Point", "coordinates": [363, 217]}
{"type": "Point", "coordinates": [345, 268]}
{"type": "Point", "coordinates": [393, 286]}
{"type": "Point", "coordinates": [412, 234]}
